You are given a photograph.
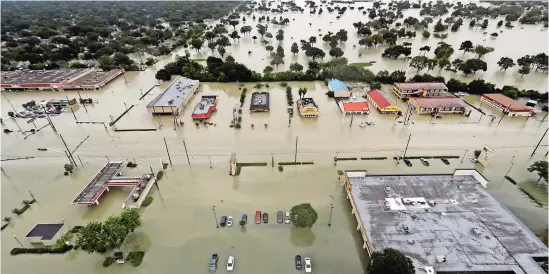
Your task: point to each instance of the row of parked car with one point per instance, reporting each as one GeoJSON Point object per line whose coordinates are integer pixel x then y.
{"type": "Point", "coordinates": [424, 162]}
{"type": "Point", "coordinates": [231, 261]}
{"type": "Point", "coordinates": [281, 217]}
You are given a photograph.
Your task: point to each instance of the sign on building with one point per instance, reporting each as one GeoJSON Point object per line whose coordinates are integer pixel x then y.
{"type": "Point", "coordinates": [485, 156]}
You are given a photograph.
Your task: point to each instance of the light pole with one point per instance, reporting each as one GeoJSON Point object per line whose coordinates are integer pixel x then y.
{"type": "Point", "coordinates": [215, 216]}
{"type": "Point", "coordinates": [331, 209]}
{"type": "Point", "coordinates": [464, 155]}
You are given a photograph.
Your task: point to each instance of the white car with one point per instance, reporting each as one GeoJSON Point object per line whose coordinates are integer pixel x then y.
{"type": "Point", "coordinates": [473, 159]}
{"type": "Point", "coordinates": [230, 221]}
{"type": "Point", "coordinates": [287, 217]}
{"type": "Point", "coordinates": [308, 267]}
{"type": "Point", "coordinates": [230, 264]}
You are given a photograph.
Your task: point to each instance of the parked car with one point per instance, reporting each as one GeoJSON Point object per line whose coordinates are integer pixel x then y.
{"type": "Point", "coordinates": [308, 266]}
{"type": "Point", "coordinates": [279, 217]}
{"type": "Point", "coordinates": [407, 162]}
{"type": "Point", "coordinates": [230, 221]}
{"type": "Point", "coordinates": [258, 217]}
{"type": "Point", "coordinates": [298, 263]}
{"type": "Point", "coordinates": [230, 264]}
{"type": "Point", "coordinates": [287, 217]}
{"type": "Point", "coordinates": [213, 263]}
{"type": "Point", "coordinates": [265, 218]}
{"type": "Point", "coordinates": [245, 218]}
{"type": "Point", "coordinates": [223, 221]}
{"type": "Point", "coordinates": [474, 160]}
{"type": "Point", "coordinates": [424, 162]}
{"type": "Point", "coordinates": [444, 160]}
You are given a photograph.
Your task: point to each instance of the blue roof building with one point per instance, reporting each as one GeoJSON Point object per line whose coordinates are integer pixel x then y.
{"type": "Point", "coordinates": [339, 88]}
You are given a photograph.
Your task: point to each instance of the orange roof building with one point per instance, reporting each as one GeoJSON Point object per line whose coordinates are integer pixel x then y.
{"type": "Point", "coordinates": [355, 107]}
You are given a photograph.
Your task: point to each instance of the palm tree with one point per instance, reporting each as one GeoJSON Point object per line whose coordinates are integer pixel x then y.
{"type": "Point", "coordinates": [7, 219]}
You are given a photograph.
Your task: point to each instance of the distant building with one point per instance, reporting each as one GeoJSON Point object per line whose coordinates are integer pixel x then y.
{"type": "Point", "coordinates": [434, 105]}
{"type": "Point", "coordinates": [307, 108]}
{"type": "Point", "coordinates": [445, 223]}
{"type": "Point", "coordinates": [175, 97]}
{"type": "Point", "coordinates": [506, 105]}
{"type": "Point", "coordinates": [407, 90]}
{"type": "Point", "coordinates": [260, 102]}
{"type": "Point", "coordinates": [354, 107]}
{"type": "Point", "coordinates": [339, 88]}
{"type": "Point", "coordinates": [381, 103]}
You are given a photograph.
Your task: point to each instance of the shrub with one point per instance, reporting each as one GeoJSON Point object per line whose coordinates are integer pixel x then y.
{"type": "Point", "coordinates": [511, 180]}
{"type": "Point", "coordinates": [118, 255]}
{"type": "Point", "coordinates": [4, 226]}
{"type": "Point", "coordinates": [330, 94]}
{"type": "Point", "coordinates": [76, 229]}
{"type": "Point", "coordinates": [135, 257]}
{"type": "Point", "coordinates": [108, 261]}
{"type": "Point", "coordinates": [131, 164]}
{"type": "Point", "coordinates": [147, 201]}
{"type": "Point", "coordinates": [159, 175]}
{"type": "Point", "coordinates": [42, 250]}
{"type": "Point", "coordinates": [238, 125]}
{"type": "Point", "coordinates": [283, 84]}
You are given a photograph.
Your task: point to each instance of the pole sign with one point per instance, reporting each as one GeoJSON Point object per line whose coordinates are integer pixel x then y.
{"type": "Point", "coordinates": [485, 156]}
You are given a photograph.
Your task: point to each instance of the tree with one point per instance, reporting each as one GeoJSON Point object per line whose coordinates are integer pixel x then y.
{"type": "Point", "coordinates": [223, 41]}
{"type": "Point", "coordinates": [541, 168]}
{"type": "Point", "coordinates": [163, 75]}
{"type": "Point", "coordinates": [472, 23]}
{"type": "Point", "coordinates": [106, 63]}
{"type": "Point", "coordinates": [303, 215]}
{"type": "Point", "coordinates": [439, 27]}
{"type": "Point", "coordinates": [484, 24]}
{"type": "Point", "coordinates": [242, 223]}
{"type": "Point", "coordinates": [7, 219]}
{"type": "Point", "coordinates": [254, 37]}
{"type": "Point", "coordinates": [295, 48]}
{"type": "Point", "coordinates": [482, 50]}
{"type": "Point", "coordinates": [444, 51]}
{"type": "Point", "coordinates": [280, 35]}
{"type": "Point", "coordinates": [524, 70]}
{"type": "Point", "coordinates": [92, 238]}
{"type": "Point", "coordinates": [500, 23]}
{"type": "Point", "coordinates": [197, 44]}
{"type": "Point", "coordinates": [472, 66]}
{"type": "Point", "coordinates": [269, 48]}
{"type": "Point", "coordinates": [277, 60]}
{"type": "Point", "coordinates": [296, 67]}
{"type": "Point", "coordinates": [391, 261]}
{"type": "Point", "coordinates": [233, 23]}
{"type": "Point", "coordinates": [342, 35]}
{"type": "Point", "coordinates": [261, 29]}
{"type": "Point", "coordinates": [209, 36]}
{"type": "Point", "coordinates": [336, 52]}
{"type": "Point", "coordinates": [425, 49]}
{"type": "Point", "coordinates": [234, 35]}
{"type": "Point", "coordinates": [395, 51]}
{"type": "Point", "coordinates": [477, 153]}
{"type": "Point", "coordinates": [425, 34]}
{"type": "Point", "coordinates": [466, 46]}
{"type": "Point", "coordinates": [312, 39]}
{"type": "Point", "coordinates": [505, 63]}
{"type": "Point", "coordinates": [419, 62]}
{"type": "Point", "coordinates": [212, 46]}
{"type": "Point", "coordinates": [221, 50]}
{"type": "Point", "coordinates": [494, 34]}
{"type": "Point", "coordinates": [443, 63]}
{"type": "Point", "coordinates": [268, 69]}
{"type": "Point", "coordinates": [315, 53]}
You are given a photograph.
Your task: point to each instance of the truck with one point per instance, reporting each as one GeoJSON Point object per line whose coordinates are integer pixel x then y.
{"type": "Point", "coordinates": [213, 263]}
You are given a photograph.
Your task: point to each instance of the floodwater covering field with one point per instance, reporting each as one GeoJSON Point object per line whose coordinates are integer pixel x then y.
{"type": "Point", "coordinates": [179, 233]}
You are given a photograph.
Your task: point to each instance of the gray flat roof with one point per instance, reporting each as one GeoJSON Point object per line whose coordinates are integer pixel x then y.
{"type": "Point", "coordinates": [175, 94]}
{"type": "Point", "coordinates": [467, 226]}
{"type": "Point", "coordinates": [89, 193]}
{"type": "Point", "coordinates": [40, 76]}
{"type": "Point", "coordinates": [45, 231]}
{"type": "Point", "coordinates": [260, 99]}
{"type": "Point", "coordinates": [204, 105]}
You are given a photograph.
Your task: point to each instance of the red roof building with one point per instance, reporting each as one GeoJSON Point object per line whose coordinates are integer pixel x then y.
{"type": "Point", "coordinates": [506, 105]}
{"type": "Point", "coordinates": [355, 107]}
{"type": "Point", "coordinates": [378, 99]}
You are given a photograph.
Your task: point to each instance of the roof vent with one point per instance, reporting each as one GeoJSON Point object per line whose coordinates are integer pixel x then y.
{"type": "Point", "coordinates": [411, 242]}
{"type": "Point", "coordinates": [475, 231]}
{"type": "Point", "coordinates": [454, 202]}
{"type": "Point", "coordinates": [432, 203]}
{"type": "Point", "coordinates": [406, 229]}
{"type": "Point", "coordinates": [429, 270]}
{"type": "Point", "coordinates": [440, 259]}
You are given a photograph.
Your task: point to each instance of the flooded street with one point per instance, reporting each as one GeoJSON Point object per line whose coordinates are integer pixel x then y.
{"type": "Point", "coordinates": [179, 231]}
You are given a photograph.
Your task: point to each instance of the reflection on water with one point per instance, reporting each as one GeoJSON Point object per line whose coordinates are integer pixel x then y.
{"type": "Point", "coordinates": [302, 237]}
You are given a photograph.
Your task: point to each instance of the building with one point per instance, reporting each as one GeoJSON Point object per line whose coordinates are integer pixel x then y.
{"type": "Point", "coordinates": [506, 105]}
{"type": "Point", "coordinates": [381, 103]}
{"type": "Point", "coordinates": [307, 108]}
{"type": "Point", "coordinates": [63, 103]}
{"type": "Point", "coordinates": [260, 102]}
{"type": "Point", "coordinates": [407, 90]}
{"type": "Point", "coordinates": [58, 79]}
{"type": "Point", "coordinates": [44, 234]}
{"type": "Point", "coordinates": [445, 223]}
{"type": "Point", "coordinates": [175, 97]}
{"type": "Point", "coordinates": [354, 107]}
{"type": "Point", "coordinates": [204, 108]}
{"type": "Point", "coordinates": [437, 105]}
{"type": "Point", "coordinates": [339, 88]}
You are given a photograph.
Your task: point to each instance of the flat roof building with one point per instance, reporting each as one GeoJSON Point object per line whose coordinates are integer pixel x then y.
{"type": "Point", "coordinates": [506, 105]}
{"type": "Point", "coordinates": [174, 98]}
{"type": "Point", "coordinates": [407, 90]}
{"type": "Point", "coordinates": [58, 79]}
{"type": "Point", "coordinates": [435, 105]}
{"type": "Point", "coordinates": [339, 89]}
{"type": "Point", "coordinates": [445, 223]}
{"type": "Point", "coordinates": [260, 102]}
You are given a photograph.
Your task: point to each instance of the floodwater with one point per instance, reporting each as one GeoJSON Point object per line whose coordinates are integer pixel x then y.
{"type": "Point", "coordinates": [179, 231]}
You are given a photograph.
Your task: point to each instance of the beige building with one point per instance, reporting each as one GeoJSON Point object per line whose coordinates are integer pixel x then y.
{"type": "Point", "coordinates": [174, 98]}
{"type": "Point", "coordinates": [407, 90]}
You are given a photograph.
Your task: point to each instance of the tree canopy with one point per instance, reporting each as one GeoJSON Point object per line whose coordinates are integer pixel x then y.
{"type": "Point", "coordinates": [540, 167]}
{"type": "Point", "coordinates": [391, 261]}
{"type": "Point", "coordinates": [303, 215]}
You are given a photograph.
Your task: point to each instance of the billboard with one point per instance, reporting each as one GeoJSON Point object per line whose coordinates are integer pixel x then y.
{"type": "Point", "coordinates": [485, 156]}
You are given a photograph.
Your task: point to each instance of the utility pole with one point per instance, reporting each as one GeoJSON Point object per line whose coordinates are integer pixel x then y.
{"type": "Point", "coordinates": [51, 123]}
{"type": "Point", "coordinates": [170, 158]}
{"type": "Point", "coordinates": [80, 143]}
{"type": "Point", "coordinates": [352, 117]}
{"type": "Point", "coordinates": [210, 160]}
{"type": "Point", "coordinates": [272, 160]}
{"type": "Point", "coordinates": [71, 159]}
{"type": "Point", "coordinates": [72, 110]}
{"type": "Point", "coordinates": [215, 216]}
{"type": "Point", "coordinates": [295, 154]}
{"type": "Point", "coordinates": [406, 149]}
{"type": "Point", "coordinates": [464, 155]}
{"type": "Point", "coordinates": [14, 111]}
{"type": "Point", "coordinates": [186, 152]}
{"type": "Point", "coordinates": [504, 114]}
{"type": "Point", "coordinates": [331, 208]}
{"type": "Point", "coordinates": [533, 152]}
{"type": "Point", "coordinates": [83, 104]}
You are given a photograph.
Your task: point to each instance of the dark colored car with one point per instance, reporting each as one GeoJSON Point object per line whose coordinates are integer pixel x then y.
{"type": "Point", "coordinates": [223, 221]}
{"type": "Point", "coordinates": [298, 263]}
{"type": "Point", "coordinates": [245, 217]}
{"type": "Point", "coordinates": [445, 161]}
{"type": "Point", "coordinates": [265, 218]}
{"type": "Point", "coordinates": [407, 162]}
{"type": "Point", "coordinates": [279, 217]}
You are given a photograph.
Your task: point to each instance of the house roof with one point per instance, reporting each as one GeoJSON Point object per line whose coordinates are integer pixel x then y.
{"type": "Point", "coordinates": [46, 231]}
{"type": "Point", "coordinates": [418, 86]}
{"type": "Point", "coordinates": [439, 102]}
{"type": "Point", "coordinates": [355, 106]}
{"type": "Point", "coordinates": [336, 85]}
{"type": "Point", "coordinates": [506, 101]}
{"type": "Point", "coordinates": [379, 99]}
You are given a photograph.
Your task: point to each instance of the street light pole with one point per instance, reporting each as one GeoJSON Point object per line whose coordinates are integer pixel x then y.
{"type": "Point", "coordinates": [331, 208]}
{"type": "Point", "coordinates": [215, 216]}
{"type": "Point", "coordinates": [464, 155]}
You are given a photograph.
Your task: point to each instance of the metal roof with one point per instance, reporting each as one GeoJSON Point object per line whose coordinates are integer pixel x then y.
{"type": "Point", "coordinates": [176, 93]}
{"type": "Point", "coordinates": [439, 102]}
{"type": "Point", "coordinates": [45, 231]}
{"type": "Point", "coordinates": [336, 85]}
{"type": "Point", "coordinates": [418, 86]}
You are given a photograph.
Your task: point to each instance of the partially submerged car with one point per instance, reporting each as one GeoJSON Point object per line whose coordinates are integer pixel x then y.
{"type": "Point", "coordinates": [230, 264]}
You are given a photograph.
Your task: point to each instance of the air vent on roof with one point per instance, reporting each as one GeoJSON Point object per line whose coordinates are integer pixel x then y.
{"type": "Point", "coordinates": [432, 203]}
{"type": "Point", "coordinates": [440, 259]}
{"type": "Point", "coordinates": [411, 242]}
{"type": "Point", "coordinates": [406, 229]}
{"type": "Point", "coordinates": [475, 231]}
{"type": "Point", "coordinates": [429, 270]}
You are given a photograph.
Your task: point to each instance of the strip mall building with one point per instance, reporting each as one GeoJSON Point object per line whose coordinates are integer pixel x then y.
{"type": "Point", "coordinates": [506, 105]}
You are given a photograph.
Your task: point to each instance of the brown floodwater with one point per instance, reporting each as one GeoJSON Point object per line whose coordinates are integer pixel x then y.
{"type": "Point", "coordinates": [179, 229]}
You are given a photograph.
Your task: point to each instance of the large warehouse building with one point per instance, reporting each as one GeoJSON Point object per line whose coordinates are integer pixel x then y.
{"type": "Point", "coordinates": [58, 79]}
{"type": "Point", "coordinates": [175, 97]}
{"type": "Point", "coordinates": [506, 105]}
{"type": "Point", "coordinates": [445, 223]}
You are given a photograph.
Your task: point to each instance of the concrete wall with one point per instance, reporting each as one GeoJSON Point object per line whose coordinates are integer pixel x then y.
{"type": "Point", "coordinates": [474, 173]}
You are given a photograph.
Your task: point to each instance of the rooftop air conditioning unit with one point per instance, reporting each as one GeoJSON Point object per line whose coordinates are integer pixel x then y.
{"type": "Point", "coordinates": [440, 259]}
{"type": "Point", "coordinates": [429, 270]}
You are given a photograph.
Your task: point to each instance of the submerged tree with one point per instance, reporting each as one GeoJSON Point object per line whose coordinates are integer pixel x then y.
{"type": "Point", "coordinates": [391, 261]}
{"type": "Point", "coordinates": [540, 167]}
{"type": "Point", "coordinates": [303, 215]}
{"type": "Point", "coordinates": [505, 63]}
